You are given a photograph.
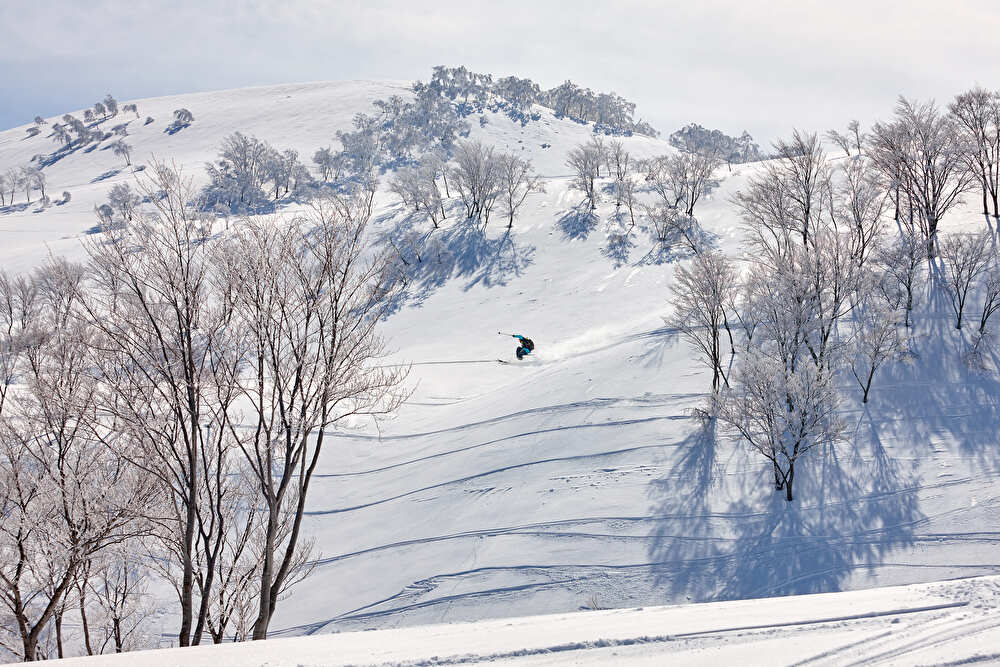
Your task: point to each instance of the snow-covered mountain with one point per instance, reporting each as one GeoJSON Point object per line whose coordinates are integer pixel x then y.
{"type": "Point", "coordinates": [579, 477]}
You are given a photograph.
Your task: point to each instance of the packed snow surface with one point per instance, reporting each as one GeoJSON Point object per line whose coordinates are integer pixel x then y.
{"type": "Point", "coordinates": [579, 477]}
{"type": "Point", "coordinates": [956, 622]}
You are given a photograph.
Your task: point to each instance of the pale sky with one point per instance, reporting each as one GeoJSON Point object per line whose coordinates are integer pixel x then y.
{"type": "Point", "coordinates": [764, 66]}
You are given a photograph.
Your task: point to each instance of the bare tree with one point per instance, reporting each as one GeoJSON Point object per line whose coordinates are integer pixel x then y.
{"type": "Point", "coordinates": [123, 150]}
{"type": "Point", "coordinates": [842, 140]}
{"type": "Point", "coordinates": [966, 257]}
{"type": "Point", "coordinates": [165, 339]}
{"type": "Point", "coordinates": [874, 342]}
{"type": "Point", "coordinates": [991, 298]}
{"type": "Point", "coordinates": [682, 179]}
{"type": "Point", "coordinates": [902, 263]}
{"type": "Point", "coordinates": [308, 297]}
{"type": "Point", "coordinates": [476, 178]}
{"type": "Point", "coordinates": [978, 114]}
{"type": "Point", "coordinates": [921, 152]}
{"type": "Point", "coordinates": [585, 161]}
{"type": "Point", "coordinates": [672, 227]}
{"type": "Point", "coordinates": [700, 295]}
{"type": "Point", "coordinates": [859, 137]}
{"type": "Point", "coordinates": [517, 181]}
{"type": "Point", "coordinates": [117, 583]}
{"type": "Point", "coordinates": [858, 205]}
{"type": "Point", "coordinates": [790, 197]}
{"type": "Point", "coordinates": [64, 497]}
{"type": "Point", "coordinates": [782, 412]}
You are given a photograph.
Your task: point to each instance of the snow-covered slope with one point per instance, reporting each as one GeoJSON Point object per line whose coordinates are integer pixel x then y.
{"type": "Point", "coordinates": [578, 477]}
{"type": "Point", "coordinates": [956, 622]}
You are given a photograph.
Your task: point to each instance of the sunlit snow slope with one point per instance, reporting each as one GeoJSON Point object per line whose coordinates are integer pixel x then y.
{"type": "Point", "coordinates": [578, 477]}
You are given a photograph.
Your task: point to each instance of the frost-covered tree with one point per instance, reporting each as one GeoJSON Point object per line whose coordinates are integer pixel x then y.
{"type": "Point", "coordinates": [874, 341]}
{"type": "Point", "coordinates": [782, 412]}
{"type": "Point", "coordinates": [978, 114]}
{"type": "Point", "coordinates": [121, 129]}
{"type": "Point", "coordinates": [119, 617]}
{"type": "Point", "coordinates": [32, 132]}
{"type": "Point", "coordinates": [64, 496]}
{"type": "Point", "coordinates": [585, 161]}
{"type": "Point", "coordinates": [111, 105]}
{"type": "Point", "coordinates": [672, 227]}
{"type": "Point", "coordinates": [12, 181]}
{"type": "Point", "coordinates": [32, 178]}
{"type": "Point", "coordinates": [790, 195]}
{"type": "Point", "coordinates": [125, 202]}
{"type": "Point", "coordinates": [167, 361]}
{"type": "Point", "coordinates": [313, 362]}
{"type": "Point", "coordinates": [841, 140]}
{"type": "Point", "coordinates": [39, 121]}
{"type": "Point", "coordinates": [330, 164]}
{"type": "Point", "coordinates": [694, 138]}
{"type": "Point", "coordinates": [123, 150]}
{"type": "Point", "coordinates": [131, 108]}
{"type": "Point", "coordinates": [476, 179]}
{"type": "Point", "coordinates": [100, 110]}
{"type": "Point", "coordinates": [858, 204]}
{"type": "Point", "coordinates": [902, 263]}
{"type": "Point", "coordinates": [991, 298]}
{"type": "Point", "coordinates": [61, 135]}
{"type": "Point", "coordinates": [921, 152]}
{"type": "Point", "coordinates": [238, 177]}
{"type": "Point", "coordinates": [682, 179]}
{"type": "Point", "coordinates": [517, 181]}
{"type": "Point", "coordinates": [88, 116]}
{"type": "Point", "coordinates": [182, 119]}
{"type": "Point", "coordinates": [700, 295]}
{"type": "Point", "coordinates": [966, 257]}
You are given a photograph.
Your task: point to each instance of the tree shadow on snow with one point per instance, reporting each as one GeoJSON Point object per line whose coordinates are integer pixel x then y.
{"type": "Point", "coordinates": [111, 173]}
{"type": "Point", "coordinates": [426, 260]}
{"type": "Point", "coordinates": [577, 223]}
{"type": "Point", "coordinates": [853, 507]}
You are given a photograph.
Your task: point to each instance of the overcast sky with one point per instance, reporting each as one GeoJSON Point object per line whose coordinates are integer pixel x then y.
{"type": "Point", "coordinates": [764, 66]}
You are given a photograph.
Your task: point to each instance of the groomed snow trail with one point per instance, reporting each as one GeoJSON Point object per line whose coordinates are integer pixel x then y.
{"type": "Point", "coordinates": [955, 622]}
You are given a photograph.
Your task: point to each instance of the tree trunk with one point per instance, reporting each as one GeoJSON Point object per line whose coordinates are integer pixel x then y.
{"type": "Point", "coordinates": [779, 482]}
{"type": "Point", "coordinates": [58, 619]}
{"type": "Point", "coordinates": [788, 482]}
{"type": "Point", "coordinates": [264, 611]}
{"type": "Point", "coordinates": [86, 626]}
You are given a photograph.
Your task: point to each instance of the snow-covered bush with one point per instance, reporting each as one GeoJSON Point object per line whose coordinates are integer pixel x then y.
{"type": "Point", "coordinates": [182, 119]}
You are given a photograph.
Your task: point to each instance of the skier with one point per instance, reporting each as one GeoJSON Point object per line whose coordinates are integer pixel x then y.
{"type": "Point", "coordinates": [524, 348]}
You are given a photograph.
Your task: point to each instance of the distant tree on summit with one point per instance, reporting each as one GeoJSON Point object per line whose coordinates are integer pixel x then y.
{"type": "Point", "coordinates": [32, 132]}
{"type": "Point", "coordinates": [39, 120]}
{"type": "Point", "coordinates": [131, 108]}
{"type": "Point", "coordinates": [111, 105]}
{"type": "Point", "coordinates": [99, 108]}
{"type": "Point", "coordinates": [60, 135]}
{"type": "Point", "coordinates": [88, 116]}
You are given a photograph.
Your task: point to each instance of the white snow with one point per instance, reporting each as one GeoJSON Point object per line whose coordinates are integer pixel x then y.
{"type": "Point", "coordinates": [578, 477]}
{"type": "Point", "coordinates": [951, 622]}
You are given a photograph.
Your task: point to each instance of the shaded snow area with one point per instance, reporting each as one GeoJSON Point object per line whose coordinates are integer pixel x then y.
{"type": "Point", "coordinates": [579, 478]}
{"type": "Point", "coordinates": [955, 622]}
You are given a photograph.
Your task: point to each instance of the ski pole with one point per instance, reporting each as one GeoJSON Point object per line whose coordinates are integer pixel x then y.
{"type": "Point", "coordinates": [501, 333]}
